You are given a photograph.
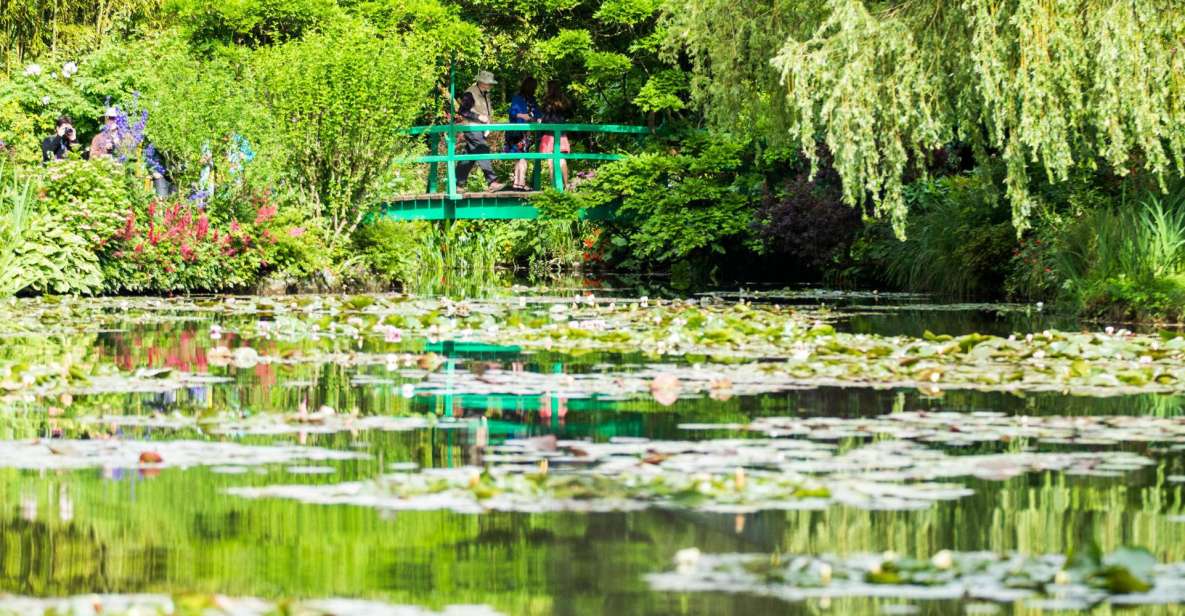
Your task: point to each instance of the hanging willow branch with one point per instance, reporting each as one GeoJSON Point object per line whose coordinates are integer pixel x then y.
{"type": "Point", "coordinates": [1047, 85]}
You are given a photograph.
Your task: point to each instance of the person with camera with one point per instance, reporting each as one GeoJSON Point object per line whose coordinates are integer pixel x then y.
{"type": "Point", "coordinates": [59, 145]}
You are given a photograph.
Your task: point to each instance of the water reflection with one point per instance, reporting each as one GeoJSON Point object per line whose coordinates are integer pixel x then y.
{"type": "Point", "coordinates": [132, 530]}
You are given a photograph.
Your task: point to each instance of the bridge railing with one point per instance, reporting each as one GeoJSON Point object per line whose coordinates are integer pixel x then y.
{"type": "Point", "coordinates": [450, 132]}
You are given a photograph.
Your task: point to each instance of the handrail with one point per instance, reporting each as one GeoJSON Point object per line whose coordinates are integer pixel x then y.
{"type": "Point", "coordinates": [532, 127]}
{"type": "Point", "coordinates": [451, 158]}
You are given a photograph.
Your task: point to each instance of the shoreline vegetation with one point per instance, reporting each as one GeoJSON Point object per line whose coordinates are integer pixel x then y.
{"type": "Point", "coordinates": [278, 130]}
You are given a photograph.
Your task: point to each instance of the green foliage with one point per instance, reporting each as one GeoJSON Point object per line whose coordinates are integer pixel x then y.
{"type": "Point", "coordinates": [389, 248]}
{"type": "Point", "coordinates": [93, 198]}
{"type": "Point", "coordinates": [300, 248]}
{"type": "Point", "coordinates": [252, 22]}
{"type": "Point", "coordinates": [693, 201]}
{"type": "Point", "coordinates": [663, 92]}
{"type": "Point", "coordinates": [339, 103]}
{"type": "Point", "coordinates": [192, 103]}
{"type": "Point", "coordinates": [29, 28]}
{"type": "Point", "coordinates": [627, 12]}
{"type": "Point", "coordinates": [38, 251]}
{"type": "Point", "coordinates": [1058, 86]}
{"type": "Point", "coordinates": [30, 105]}
{"type": "Point", "coordinates": [53, 259]}
{"type": "Point", "coordinates": [1123, 263]}
{"type": "Point", "coordinates": [454, 37]}
{"type": "Point", "coordinates": [959, 243]}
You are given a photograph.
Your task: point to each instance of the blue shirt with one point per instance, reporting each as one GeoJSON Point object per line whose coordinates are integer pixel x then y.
{"type": "Point", "coordinates": [520, 105]}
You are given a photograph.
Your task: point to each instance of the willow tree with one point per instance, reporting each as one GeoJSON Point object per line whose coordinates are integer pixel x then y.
{"type": "Point", "coordinates": [1046, 85]}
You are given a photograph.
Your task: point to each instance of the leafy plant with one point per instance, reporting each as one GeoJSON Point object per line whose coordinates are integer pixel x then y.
{"type": "Point", "coordinates": [690, 202]}
{"type": "Point", "coordinates": [340, 102]}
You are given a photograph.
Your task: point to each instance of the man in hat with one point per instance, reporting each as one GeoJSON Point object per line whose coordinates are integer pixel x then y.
{"type": "Point", "coordinates": [480, 113]}
{"type": "Point", "coordinates": [108, 139]}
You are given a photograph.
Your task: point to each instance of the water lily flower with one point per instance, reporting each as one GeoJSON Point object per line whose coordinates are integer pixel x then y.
{"type": "Point", "coordinates": [33, 70]}
{"type": "Point", "coordinates": [687, 558]}
{"type": "Point", "coordinates": [944, 559]}
{"type": "Point", "coordinates": [393, 334]}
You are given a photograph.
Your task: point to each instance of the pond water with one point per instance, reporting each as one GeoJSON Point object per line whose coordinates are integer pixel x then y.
{"type": "Point", "coordinates": [404, 395]}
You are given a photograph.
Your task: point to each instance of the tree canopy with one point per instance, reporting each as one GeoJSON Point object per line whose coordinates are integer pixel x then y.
{"type": "Point", "coordinates": [1045, 85]}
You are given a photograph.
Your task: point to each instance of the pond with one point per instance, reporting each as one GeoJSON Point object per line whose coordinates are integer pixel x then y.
{"type": "Point", "coordinates": [569, 450]}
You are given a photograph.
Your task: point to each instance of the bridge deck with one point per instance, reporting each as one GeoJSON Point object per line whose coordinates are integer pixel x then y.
{"type": "Point", "coordinates": [505, 205]}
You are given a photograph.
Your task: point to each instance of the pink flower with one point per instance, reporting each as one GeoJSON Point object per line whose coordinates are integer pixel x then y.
{"type": "Point", "coordinates": [296, 232]}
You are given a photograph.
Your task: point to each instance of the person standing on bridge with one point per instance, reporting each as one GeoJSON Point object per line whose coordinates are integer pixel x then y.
{"type": "Point", "coordinates": [480, 111]}
{"type": "Point", "coordinates": [475, 143]}
{"type": "Point", "coordinates": [523, 110]}
{"type": "Point", "coordinates": [556, 107]}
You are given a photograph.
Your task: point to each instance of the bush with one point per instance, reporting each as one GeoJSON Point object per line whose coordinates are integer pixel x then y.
{"type": "Point", "coordinates": [299, 251]}
{"type": "Point", "coordinates": [1125, 262]}
{"type": "Point", "coordinates": [339, 103]}
{"type": "Point", "coordinates": [92, 197]}
{"type": "Point", "coordinates": [37, 251]}
{"type": "Point", "coordinates": [806, 220]}
{"type": "Point", "coordinates": [390, 249]}
{"type": "Point", "coordinates": [172, 246]}
{"type": "Point", "coordinates": [690, 202]}
{"type": "Point", "coordinates": [959, 240]}
{"type": "Point", "coordinates": [210, 23]}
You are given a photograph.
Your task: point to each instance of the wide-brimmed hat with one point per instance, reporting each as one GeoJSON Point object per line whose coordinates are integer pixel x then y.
{"type": "Point", "coordinates": [486, 77]}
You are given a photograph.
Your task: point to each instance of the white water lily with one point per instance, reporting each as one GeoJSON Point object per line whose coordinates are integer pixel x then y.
{"type": "Point", "coordinates": [944, 559]}
{"type": "Point", "coordinates": [687, 558]}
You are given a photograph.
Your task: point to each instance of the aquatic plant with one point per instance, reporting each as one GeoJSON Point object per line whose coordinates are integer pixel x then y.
{"type": "Point", "coordinates": [1126, 576]}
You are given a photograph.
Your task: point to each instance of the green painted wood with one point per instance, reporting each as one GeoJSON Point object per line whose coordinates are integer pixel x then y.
{"type": "Point", "coordinates": [442, 208]}
{"type": "Point", "coordinates": [537, 127]}
{"type": "Point", "coordinates": [443, 158]}
{"type": "Point", "coordinates": [453, 205]}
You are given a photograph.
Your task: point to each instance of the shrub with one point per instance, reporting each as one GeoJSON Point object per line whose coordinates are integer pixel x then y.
{"type": "Point", "coordinates": [92, 197]}
{"type": "Point", "coordinates": [299, 251]}
{"type": "Point", "coordinates": [1125, 262]}
{"type": "Point", "coordinates": [172, 246]}
{"type": "Point", "coordinates": [37, 251]}
{"type": "Point", "coordinates": [959, 241]}
{"type": "Point", "coordinates": [688, 202]}
{"type": "Point", "coordinates": [390, 249]}
{"type": "Point", "coordinates": [340, 102]}
{"type": "Point", "coordinates": [806, 220]}
{"type": "Point", "coordinates": [210, 23]}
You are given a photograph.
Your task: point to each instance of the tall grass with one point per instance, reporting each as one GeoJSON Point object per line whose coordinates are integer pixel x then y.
{"type": "Point", "coordinates": [15, 207]}
{"type": "Point", "coordinates": [1128, 261]}
{"type": "Point", "coordinates": [958, 241]}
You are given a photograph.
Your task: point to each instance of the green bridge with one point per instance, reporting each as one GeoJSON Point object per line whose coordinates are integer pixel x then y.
{"type": "Point", "coordinates": [451, 204]}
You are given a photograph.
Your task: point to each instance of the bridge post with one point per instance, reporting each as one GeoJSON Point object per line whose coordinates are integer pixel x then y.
{"type": "Point", "coordinates": [451, 143]}
{"type": "Point", "coordinates": [556, 176]}
{"type": "Point", "coordinates": [452, 130]}
{"type": "Point", "coordinates": [434, 148]}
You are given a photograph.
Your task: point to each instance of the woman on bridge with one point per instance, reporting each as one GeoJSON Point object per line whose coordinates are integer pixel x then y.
{"type": "Point", "coordinates": [556, 108]}
{"type": "Point", "coordinates": [523, 109]}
